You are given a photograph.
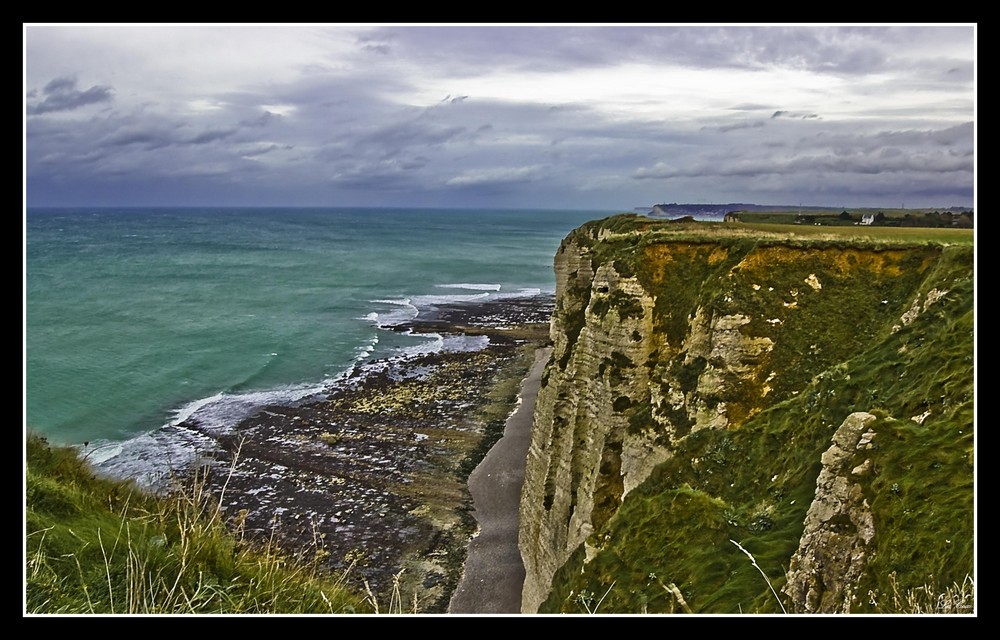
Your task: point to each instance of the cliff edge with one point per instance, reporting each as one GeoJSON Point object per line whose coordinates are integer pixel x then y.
{"type": "Point", "coordinates": [701, 403]}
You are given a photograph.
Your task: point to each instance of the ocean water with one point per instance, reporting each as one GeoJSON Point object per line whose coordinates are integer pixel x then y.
{"type": "Point", "coordinates": [136, 319]}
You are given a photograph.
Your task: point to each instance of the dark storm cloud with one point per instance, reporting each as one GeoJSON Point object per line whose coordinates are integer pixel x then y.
{"type": "Point", "coordinates": [61, 94]}
{"type": "Point", "coordinates": [144, 144]}
{"type": "Point", "coordinates": [494, 114]}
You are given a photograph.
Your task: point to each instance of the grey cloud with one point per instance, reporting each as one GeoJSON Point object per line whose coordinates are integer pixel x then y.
{"type": "Point", "coordinates": [751, 106]}
{"type": "Point", "coordinates": [147, 136]}
{"type": "Point", "coordinates": [848, 51]}
{"type": "Point", "coordinates": [960, 136]}
{"type": "Point", "coordinates": [746, 124]}
{"type": "Point", "coordinates": [156, 137]}
{"type": "Point", "coordinates": [496, 176]}
{"type": "Point", "coordinates": [60, 85]}
{"type": "Point", "coordinates": [916, 152]}
{"type": "Point", "coordinates": [377, 43]}
{"type": "Point", "coordinates": [858, 164]}
{"type": "Point", "coordinates": [211, 136]}
{"type": "Point", "coordinates": [416, 163]}
{"type": "Point", "coordinates": [781, 113]}
{"type": "Point", "coordinates": [261, 150]}
{"type": "Point", "coordinates": [265, 118]}
{"type": "Point", "coordinates": [61, 94]}
{"type": "Point", "coordinates": [389, 174]}
{"type": "Point", "coordinates": [394, 138]}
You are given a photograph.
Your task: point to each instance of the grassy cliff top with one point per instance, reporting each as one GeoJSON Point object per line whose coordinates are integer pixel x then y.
{"type": "Point", "coordinates": [623, 226]}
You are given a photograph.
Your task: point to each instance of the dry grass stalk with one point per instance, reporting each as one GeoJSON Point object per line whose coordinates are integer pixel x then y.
{"type": "Point", "coordinates": [768, 581]}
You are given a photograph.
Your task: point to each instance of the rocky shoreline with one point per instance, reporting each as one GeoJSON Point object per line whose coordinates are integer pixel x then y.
{"type": "Point", "coordinates": [372, 477]}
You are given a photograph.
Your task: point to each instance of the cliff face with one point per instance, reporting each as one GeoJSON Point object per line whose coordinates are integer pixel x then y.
{"type": "Point", "coordinates": [697, 378]}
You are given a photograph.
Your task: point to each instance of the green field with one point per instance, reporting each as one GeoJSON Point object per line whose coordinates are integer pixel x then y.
{"type": "Point", "coordinates": [905, 234]}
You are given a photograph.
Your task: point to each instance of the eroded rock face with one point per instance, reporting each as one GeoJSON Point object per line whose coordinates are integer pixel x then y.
{"type": "Point", "coordinates": [730, 355]}
{"type": "Point", "coordinates": [581, 456]}
{"type": "Point", "coordinates": [591, 443]}
{"type": "Point", "coordinates": [838, 527]}
{"type": "Point", "coordinates": [658, 336]}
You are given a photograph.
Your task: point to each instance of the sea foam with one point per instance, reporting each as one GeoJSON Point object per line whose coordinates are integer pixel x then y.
{"type": "Point", "coordinates": [475, 287]}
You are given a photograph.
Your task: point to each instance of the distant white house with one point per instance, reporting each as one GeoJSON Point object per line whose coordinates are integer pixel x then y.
{"type": "Point", "coordinates": [867, 219]}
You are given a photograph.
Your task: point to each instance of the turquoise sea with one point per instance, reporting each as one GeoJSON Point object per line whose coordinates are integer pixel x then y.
{"type": "Point", "coordinates": [136, 319]}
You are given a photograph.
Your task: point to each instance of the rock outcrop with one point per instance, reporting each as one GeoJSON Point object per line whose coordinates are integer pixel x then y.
{"type": "Point", "coordinates": [838, 528]}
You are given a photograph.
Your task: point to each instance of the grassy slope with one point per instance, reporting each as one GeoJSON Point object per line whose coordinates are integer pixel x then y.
{"type": "Point", "coordinates": [754, 484]}
{"type": "Point", "coordinates": [99, 546]}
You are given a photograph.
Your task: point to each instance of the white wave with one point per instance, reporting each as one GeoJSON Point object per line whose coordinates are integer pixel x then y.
{"type": "Point", "coordinates": [404, 302]}
{"type": "Point", "coordinates": [365, 350]}
{"type": "Point", "coordinates": [407, 312]}
{"type": "Point", "coordinates": [524, 292]}
{"type": "Point", "coordinates": [433, 301]}
{"type": "Point", "coordinates": [433, 345]}
{"type": "Point", "coordinates": [188, 410]}
{"type": "Point", "coordinates": [221, 412]}
{"type": "Point", "coordinates": [150, 459]}
{"type": "Point", "coordinates": [467, 285]}
{"type": "Point", "coordinates": [436, 343]}
{"type": "Point", "coordinates": [101, 452]}
{"type": "Point", "coordinates": [462, 343]}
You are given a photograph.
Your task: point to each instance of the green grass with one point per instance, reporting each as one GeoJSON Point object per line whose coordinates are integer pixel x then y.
{"type": "Point", "coordinates": [97, 546]}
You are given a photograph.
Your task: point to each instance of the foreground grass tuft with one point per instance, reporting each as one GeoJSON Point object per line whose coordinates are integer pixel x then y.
{"type": "Point", "coordinates": [94, 545]}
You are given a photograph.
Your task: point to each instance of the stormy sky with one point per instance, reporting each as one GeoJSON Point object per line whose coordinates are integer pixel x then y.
{"type": "Point", "coordinates": [547, 116]}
